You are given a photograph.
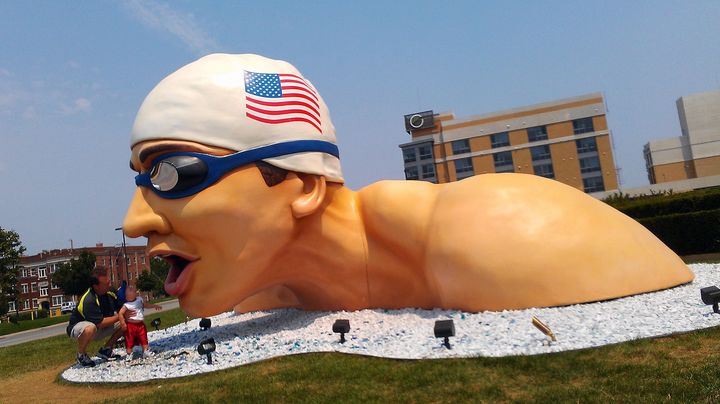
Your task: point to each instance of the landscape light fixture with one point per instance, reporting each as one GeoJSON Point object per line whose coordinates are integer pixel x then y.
{"type": "Point", "coordinates": [205, 323]}
{"type": "Point", "coordinates": [711, 295]}
{"type": "Point", "coordinates": [341, 327]}
{"type": "Point", "coordinates": [155, 323]}
{"type": "Point", "coordinates": [445, 329]}
{"type": "Point", "coordinates": [543, 328]}
{"type": "Point", "coordinates": [207, 347]}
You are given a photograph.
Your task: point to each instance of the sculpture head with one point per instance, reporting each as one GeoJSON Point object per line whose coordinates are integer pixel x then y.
{"type": "Point", "coordinates": [231, 151]}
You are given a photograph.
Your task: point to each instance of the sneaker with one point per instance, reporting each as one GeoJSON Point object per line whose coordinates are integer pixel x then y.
{"type": "Point", "coordinates": [105, 353]}
{"type": "Point", "coordinates": [148, 354]}
{"type": "Point", "coordinates": [84, 360]}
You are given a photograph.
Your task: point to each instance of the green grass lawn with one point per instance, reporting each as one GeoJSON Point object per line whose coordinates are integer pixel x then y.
{"type": "Point", "coordinates": [681, 367]}
{"type": "Point", "coordinates": [9, 328]}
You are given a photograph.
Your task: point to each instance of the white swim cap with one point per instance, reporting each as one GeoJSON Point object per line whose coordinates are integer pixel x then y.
{"type": "Point", "coordinates": [241, 102]}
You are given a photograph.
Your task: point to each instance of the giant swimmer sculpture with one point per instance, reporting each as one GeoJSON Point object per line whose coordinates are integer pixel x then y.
{"type": "Point", "coordinates": [240, 190]}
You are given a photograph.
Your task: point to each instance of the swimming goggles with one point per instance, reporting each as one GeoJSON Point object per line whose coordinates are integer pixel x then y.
{"type": "Point", "coordinates": [181, 174]}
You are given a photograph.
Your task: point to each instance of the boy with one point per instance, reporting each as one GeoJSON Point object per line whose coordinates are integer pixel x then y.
{"type": "Point", "coordinates": [135, 331]}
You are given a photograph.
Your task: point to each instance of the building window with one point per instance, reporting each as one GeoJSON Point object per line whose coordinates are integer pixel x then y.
{"type": "Point", "coordinates": [461, 146]}
{"type": "Point", "coordinates": [54, 286]}
{"type": "Point", "coordinates": [33, 271]}
{"type": "Point", "coordinates": [503, 162]}
{"type": "Point", "coordinates": [411, 173]}
{"type": "Point", "coordinates": [42, 272]}
{"type": "Point", "coordinates": [586, 145]}
{"type": "Point", "coordinates": [544, 170]}
{"type": "Point", "coordinates": [500, 140]}
{"type": "Point", "coordinates": [464, 168]}
{"type": "Point", "coordinates": [24, 287]}
{"type": "Point", "coordinates": [143, 259]}
{"type": "Point", "coordinates": [537, 133]}
{"type": "Point", "coordinates": [540, 152]}
{"type": "Point", "coordinates": [43, 291]}
{"type": "Point", "coordinates": [24, 273]}
{"type": "Point", "coordinates": [593, 184]}
{"type": "Point", "coordinates": [409, 155]}
{"type": "Point", "coordinates": [33, 287]}
{"type": "Point", "coordinates": [26, 304]}
{"type": "Point", "coordinates": [428, 171]}
{"type": "Point", "coordinates": [129, 276]}
{"type": "Point", "coordinates": [589, 164]}
{"type": "Point", "coordinates": [425, 152]}
{"type": "Point", "coordinates": [35, 304]}
{"type": "Point", "coordinates": [57, 300]}
{"type": "Point", "coordinates": [53, 268]}
{"type": "Point", "coordinates": [583, 125]}
{"type": "Point", "coordinates": [11, 306]}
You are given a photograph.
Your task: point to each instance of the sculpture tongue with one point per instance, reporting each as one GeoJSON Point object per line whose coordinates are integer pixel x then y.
{"type": "Point", "coordinates": [178, 264]}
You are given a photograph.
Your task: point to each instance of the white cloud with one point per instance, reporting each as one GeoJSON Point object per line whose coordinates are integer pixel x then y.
{"type": "Point", "coordinates": [30, 113]}
{"type": "Point", "coordinates": [161, 17]}
{"type": "Point", "coordinates": [79, 105]}
{"type": "Point", "coordinates": [5, 72]}
{"type": "Point", "coordinates": [83, 104]}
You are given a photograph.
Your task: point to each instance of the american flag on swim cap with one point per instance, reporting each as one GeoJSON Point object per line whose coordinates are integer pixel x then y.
{"type": "Point", "coordinates": [280, 98]}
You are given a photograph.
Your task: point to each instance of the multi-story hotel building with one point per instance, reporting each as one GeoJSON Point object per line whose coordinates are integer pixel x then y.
{"type": "Point", "coordinates": [36, 286]}
{"type": "Point", "coordinates": [696, 153]}
{"type": "Point", "coordinates": [567, 140]}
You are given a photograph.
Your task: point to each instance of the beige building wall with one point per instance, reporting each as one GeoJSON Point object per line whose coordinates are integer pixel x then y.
{"type": "Point", "coordinates": [522, 159]}
{"type": "Point", "coordinates": [518, 137]}
{"type": "Point", "coordinates": [707, 166]}
{"type": "Point", "coordinates": [607, 162]}
{"type": "Point", "coordinates": [480, 143]}
{"type": "Point", "coordinates": [483, 164]}
{"type": "Point", "coordinates": [673, 172]}
{"type": "Point", "coordinates": [560, 129]}
{"type": "Point", "coordinates": [565, 163]}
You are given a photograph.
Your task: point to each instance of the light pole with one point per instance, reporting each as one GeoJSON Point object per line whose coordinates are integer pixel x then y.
{"type": "Point", "coordinates": [127, 276]}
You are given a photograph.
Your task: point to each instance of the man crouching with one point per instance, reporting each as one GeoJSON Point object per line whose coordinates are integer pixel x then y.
{"type": "Point", "coordinates": [95, 318]}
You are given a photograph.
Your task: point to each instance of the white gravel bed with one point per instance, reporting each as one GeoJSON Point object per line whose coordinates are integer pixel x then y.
{"type": "Point", "coordinates": [408, 333]}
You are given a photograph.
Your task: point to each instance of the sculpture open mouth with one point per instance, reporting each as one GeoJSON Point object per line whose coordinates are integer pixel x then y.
{"type": "Point", "coordinates": [179, 275]}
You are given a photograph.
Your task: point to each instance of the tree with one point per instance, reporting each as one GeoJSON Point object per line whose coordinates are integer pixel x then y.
{"type": "Point", "coordinates": [11, 249]}
{"type": "Point", "coordinates": [74, 277]}
{"type": "Point", "coordinates": [154, 280]}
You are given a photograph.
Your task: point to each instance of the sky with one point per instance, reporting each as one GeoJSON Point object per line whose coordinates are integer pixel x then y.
{"type": "Point", "coordinates": [74, 73]}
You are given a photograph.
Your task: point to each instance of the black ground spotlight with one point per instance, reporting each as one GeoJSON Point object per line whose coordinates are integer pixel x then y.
{"type": "Point", "coordinates": [205, 323]}
{"type": "Point", "coordinates": [207, 347]}
{"type": "Point", "coordinates": [341, 327]}
{"type": "Point", "coordinates": [711, 295]}
{"type": "Point", "coordinates": [445, 329]}
{"type": "Point", "coordinates": [155, 323]}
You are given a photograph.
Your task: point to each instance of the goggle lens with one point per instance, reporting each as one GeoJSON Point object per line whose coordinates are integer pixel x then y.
{"type": "Point", "coordinates": [178, 173]}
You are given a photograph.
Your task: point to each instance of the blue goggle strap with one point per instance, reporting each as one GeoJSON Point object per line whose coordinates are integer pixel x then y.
{"type": "Point", "coordinates": [220, 165]}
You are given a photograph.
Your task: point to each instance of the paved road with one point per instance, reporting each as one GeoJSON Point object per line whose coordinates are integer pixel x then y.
{"type": "Point", "coordinates": [57, 329]}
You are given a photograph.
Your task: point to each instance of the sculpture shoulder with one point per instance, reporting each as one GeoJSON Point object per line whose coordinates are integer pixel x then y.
{"type": "Point", "coordinates": [397, 206]}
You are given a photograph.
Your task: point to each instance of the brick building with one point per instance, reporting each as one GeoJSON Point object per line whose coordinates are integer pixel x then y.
{"type": "Point", "coordinates": [567, 140]}
{"type": "Point", "coordinates": [35, 277]}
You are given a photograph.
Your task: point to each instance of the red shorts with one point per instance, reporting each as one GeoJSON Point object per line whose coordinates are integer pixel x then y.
{"type": "Point", "coordinates": [136, 334]}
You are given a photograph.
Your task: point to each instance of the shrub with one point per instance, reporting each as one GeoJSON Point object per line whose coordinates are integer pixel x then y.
{"type": "Point", "coordinates": [687, 233]}
{"type": "Point", "coordinates": [666, 204]}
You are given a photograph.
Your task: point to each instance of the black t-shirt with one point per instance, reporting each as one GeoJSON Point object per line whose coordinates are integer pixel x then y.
{"type": "Point", "coordinates": [94, 308]}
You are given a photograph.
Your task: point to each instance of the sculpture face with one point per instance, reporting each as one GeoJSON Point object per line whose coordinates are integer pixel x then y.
{"type": "Point", "coordinates": [219, 241]}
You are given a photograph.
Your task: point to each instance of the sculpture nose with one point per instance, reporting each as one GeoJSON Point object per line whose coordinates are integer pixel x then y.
{"type": "Point", "coordinates": [141, 218]}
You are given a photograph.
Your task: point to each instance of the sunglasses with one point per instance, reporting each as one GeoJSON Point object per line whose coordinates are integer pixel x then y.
{"type": "Point", "coordinates": [181, 174]}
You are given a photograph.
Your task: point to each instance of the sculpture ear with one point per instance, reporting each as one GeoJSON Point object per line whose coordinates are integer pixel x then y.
{"type": "Point", "coordinates": [312, 197]}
